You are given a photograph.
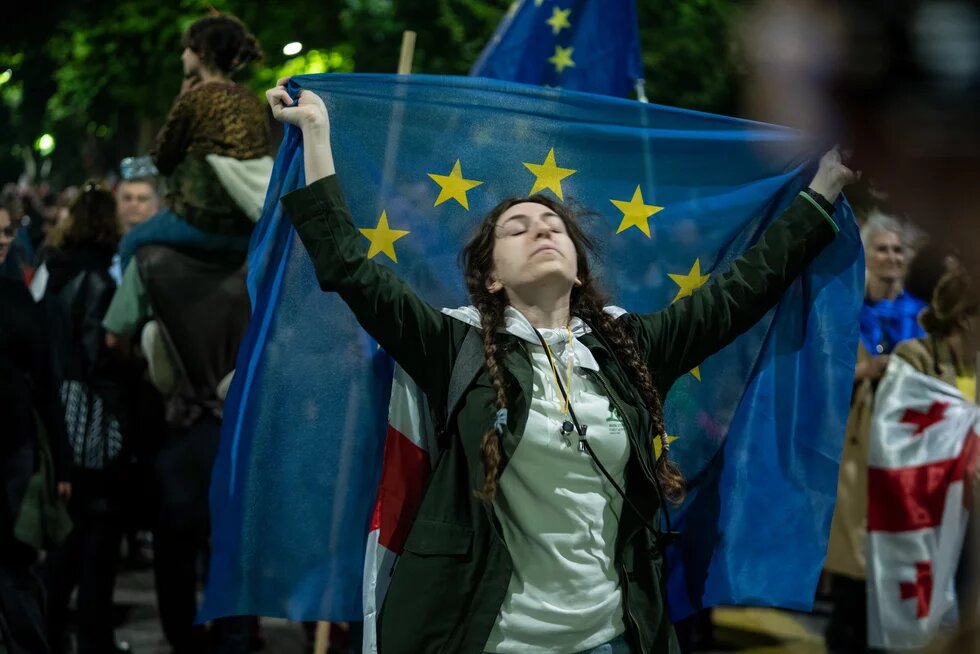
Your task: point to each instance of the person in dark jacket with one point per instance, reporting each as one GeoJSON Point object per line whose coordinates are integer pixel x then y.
{"type": "Point", "coordinates": [77, 293]}
{"type": "Point", "coordinates": [28, 402]}
{"type": "Point", "coordinates": [530, 549]}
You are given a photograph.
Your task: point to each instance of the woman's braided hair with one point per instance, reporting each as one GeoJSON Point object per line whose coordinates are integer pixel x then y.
{"type": "Point", "coordinates": [587, 302]}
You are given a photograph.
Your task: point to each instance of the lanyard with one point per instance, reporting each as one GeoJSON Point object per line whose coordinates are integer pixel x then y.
{"type": "Point", "coordinates": [566, 426]}
{"type": "Point", "coordinates": [585, 446]}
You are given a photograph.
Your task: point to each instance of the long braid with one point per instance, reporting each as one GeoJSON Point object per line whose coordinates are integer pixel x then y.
{"type": "Point", "coordinates": [589, 306]}
{"type": "Point", "coordinates": [491, 317]}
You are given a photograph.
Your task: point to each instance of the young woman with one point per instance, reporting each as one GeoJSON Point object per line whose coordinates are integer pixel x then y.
{"type": "Point", "coordinates": [214, 147]}
{"type": "Point", "coordinates": [77, 292]}
{"type": "Point", "coordinates": [522, 542]}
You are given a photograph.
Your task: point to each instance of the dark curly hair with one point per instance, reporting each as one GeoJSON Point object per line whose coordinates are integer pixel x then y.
{"type": "Point", "coordinates": [91, 220]}
{"type": "Point", "coordinates": [223, 42]}
{"type": "Point", "coordinates": [587, 302]}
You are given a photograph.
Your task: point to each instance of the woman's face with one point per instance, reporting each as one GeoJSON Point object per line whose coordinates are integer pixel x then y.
{"type": "Point", "coordinates": [6, 234]}
{"type": "Point", "coordinates": [192, 63]}
{"type": "Point", "coordinates": [532, 246]}
{"type": "Point", "coordinates": [885, 256]}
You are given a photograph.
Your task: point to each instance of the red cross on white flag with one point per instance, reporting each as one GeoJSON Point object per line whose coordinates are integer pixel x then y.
{"type": "Point", "coordinates": [920, 589]}
{"type": "Point", "coordinates": [922, 452]}
{"type": "Point", "coordinates": [923, 420]}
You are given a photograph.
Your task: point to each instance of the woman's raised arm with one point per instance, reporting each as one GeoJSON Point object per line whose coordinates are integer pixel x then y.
{"type": "Point", "coordinates": [681, 336]}
{"type": "Point", "coordinates": [310, 115]}
{"type": "Point", "coordinates": [420, 338]}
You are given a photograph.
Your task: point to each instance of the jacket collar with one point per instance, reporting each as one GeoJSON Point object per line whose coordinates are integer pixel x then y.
{"type": "Point", "coordinates": [516, 324]}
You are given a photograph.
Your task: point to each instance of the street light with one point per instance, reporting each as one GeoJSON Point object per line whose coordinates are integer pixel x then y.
{"type": "Point", "coordinates": [293, 48]}
{"type": "Point", "coordinates": [44, 144]}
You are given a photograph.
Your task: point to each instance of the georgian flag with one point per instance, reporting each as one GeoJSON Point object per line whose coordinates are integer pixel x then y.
{"type": "Point", "coordinates": [410, 454]}
{"type": "Point", "coordinates": [921, 458]}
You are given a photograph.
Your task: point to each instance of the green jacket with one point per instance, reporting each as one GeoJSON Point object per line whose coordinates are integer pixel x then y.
{"type": "Point", "coordinates": [450, 581]}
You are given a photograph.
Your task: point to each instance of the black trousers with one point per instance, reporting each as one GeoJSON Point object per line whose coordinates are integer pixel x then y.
{"type": "Point", "coordinates": [847, 630]}
{"type": "Point", "coordinates": [22, 620]}
{"type": "Point", "coordinates": [182, 471]}
{"type": "Point", "coordinates": [88, 559]}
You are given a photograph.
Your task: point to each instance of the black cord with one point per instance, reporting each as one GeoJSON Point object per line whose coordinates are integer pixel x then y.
{"type": "Point", "coordinates": [656, 480]}
{"type": "Point", "coordinates": [658, 537]}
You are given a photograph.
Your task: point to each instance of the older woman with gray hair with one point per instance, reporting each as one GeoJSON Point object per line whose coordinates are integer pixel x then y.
{"type": "Point", "coordinates": [888, 317]}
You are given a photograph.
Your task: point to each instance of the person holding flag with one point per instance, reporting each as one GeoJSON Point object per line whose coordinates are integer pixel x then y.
{"type": "Point", "coordinates": [922, 476]}
{"type": "Point", "coordinates": [554, 545]}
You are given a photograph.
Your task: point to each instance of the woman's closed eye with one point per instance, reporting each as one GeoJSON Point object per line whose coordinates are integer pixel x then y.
{"type": "Point", "coordinates": [555, 224]}
{"type": "Point", "coordinates": [512, 230]}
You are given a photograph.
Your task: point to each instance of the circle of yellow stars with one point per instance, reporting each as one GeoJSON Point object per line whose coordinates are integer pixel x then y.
{"type": "Point", "coordinates": [548, 176]}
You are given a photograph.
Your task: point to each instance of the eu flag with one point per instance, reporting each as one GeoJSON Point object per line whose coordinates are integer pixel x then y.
{"type": "Point", "coordinates": [571, 44]}
{"type": "Point", "coordinates": [678, 195]}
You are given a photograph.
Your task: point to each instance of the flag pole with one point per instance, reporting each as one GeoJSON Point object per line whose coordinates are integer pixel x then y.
{"type": "Point", "coordinates": [407, 54]}
{"type": "Point", "coordinates": [405, 58]}
{"type": "Point", "coordinates": [641, 91]}
{"type": "Point", "coordinates": [322, 641]}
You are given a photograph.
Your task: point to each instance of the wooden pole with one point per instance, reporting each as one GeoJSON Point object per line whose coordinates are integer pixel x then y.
{"type": "Point", "coordinates": [407, 53]}
{"type": "Point", "coordinates": [322, 642]}
{"type": "Point", "coordinates": [394, 124]}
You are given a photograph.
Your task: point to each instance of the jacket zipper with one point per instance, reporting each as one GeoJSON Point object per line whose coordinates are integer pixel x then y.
{"type": "Point", "coordinates": [624, 583]}
{"type": "Point", "coordinates": [626, 608]}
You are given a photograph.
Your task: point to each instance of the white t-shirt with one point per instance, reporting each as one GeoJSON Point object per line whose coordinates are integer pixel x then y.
{"type": "Point", "coordinates": [560, 516]}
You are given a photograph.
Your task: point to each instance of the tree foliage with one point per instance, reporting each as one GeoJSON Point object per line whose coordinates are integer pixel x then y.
{"type": "Point", "coordinates": [106, 70]}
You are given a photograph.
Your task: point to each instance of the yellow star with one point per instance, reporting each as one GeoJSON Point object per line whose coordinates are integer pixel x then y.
{"type": "Point", "coordinates": [636, 213]}
{"type": "Point", "coordinates": [690, 282]}
{"type": "Point", "coordinates": [658, 446]}
{"type": "Point", "coordinates": [453, 186]}
{"type": "Point", "coordinates": [562, 58]}
{"type": "Point", "coordinates": [548, 175]}
{"type": "Point", "coordinates": [383, 238]}
{"type": "Point", "coordinates": [559, 21]}
{"type": "Point", "coordinates": [697, 372]}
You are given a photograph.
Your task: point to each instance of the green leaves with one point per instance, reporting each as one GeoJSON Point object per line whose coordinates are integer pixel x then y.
{"type": "Point", "coordinates": [116, 64]}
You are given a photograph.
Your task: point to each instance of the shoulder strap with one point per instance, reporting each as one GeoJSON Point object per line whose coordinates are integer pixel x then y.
{"type": "Point", "coordinates": [468, 365]}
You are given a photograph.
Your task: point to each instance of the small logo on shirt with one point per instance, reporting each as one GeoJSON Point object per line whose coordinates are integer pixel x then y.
{"type": "Point", "coordinates": [614, 423]}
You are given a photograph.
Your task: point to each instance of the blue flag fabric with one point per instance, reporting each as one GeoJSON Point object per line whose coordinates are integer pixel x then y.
{"type": "Point", "coordinates": [581, 45]}
{"type": "Point", "coordinates": [678, 195]}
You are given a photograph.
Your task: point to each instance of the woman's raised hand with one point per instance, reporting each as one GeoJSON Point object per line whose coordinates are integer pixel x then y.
{"type": "Point", "coordinates": [308, 112]}
{"type": "Point", "coordinates": [832, 175]}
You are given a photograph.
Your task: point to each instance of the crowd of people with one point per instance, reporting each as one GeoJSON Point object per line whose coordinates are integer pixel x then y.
{"type": "Point", "coordinates": [121, 310]}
